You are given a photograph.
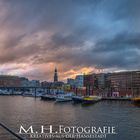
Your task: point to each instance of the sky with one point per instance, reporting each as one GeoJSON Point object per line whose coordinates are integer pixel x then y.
{"type": "Point", "coordinates": [76, 36]}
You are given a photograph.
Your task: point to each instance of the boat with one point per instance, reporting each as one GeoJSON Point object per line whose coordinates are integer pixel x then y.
{"type": "Point", "coordinates": [77, 99]}
{"type": "Point", "coordinates": [48, 97]}
{"type": "Point", "coordinates": [5, 92]}
{"type": "Point", "coordinates": [28, 94]}
{"type": "Point", "coordinates": [17, 93]}
{"type": "Point", "coordinates": [91, 99]}
{"type": "Point", "coordinates": [64, 97]}
{"type": "Point", "coordinates": [38, 95]}
{"type": "Point", "coordinates": [136, 100]}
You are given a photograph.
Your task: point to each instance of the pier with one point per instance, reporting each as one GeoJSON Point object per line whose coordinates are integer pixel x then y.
{"type": "Point", "coordinates": [116, 98]}
{"type": "Point", "coordinates": [12, 132]}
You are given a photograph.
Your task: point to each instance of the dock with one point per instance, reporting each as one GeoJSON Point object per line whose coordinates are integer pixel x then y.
{"type": "Point", "coordinates": [11, 132]}
{"type": "Point", "coordinates": [117, 98]}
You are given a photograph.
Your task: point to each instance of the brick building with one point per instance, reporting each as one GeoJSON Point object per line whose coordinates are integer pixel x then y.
{"type": "Point", "coordinates": [10, 81]}
{"type": "Point", "coordinates": [126, 83]}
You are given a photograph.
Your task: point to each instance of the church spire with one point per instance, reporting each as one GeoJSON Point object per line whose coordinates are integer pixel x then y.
{"type": "Point", "coordinates": [55, 75]}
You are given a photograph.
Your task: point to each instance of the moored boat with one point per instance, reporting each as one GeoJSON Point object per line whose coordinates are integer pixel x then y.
{"type": "Point", "coordinates": [136, 100]}
{"type": "Point", "coordinates": [64, 97]}
{"type": "Point", "coordinates": [5, 92]}
{"type": "Point", "coordinates": [91, 99]}
{"type": "Point", "coordinates": [48, 97]}
{"type": "Point", "coordinates": [77, 99]}
{"type": "Point", "coordinates": [28, 94]}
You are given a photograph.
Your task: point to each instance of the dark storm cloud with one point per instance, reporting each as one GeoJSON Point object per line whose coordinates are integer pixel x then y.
{"type": "Point", "coordinates": [122, 51]}
{"type": "Point", "coordinates": [74, 39]}
{"type": "Point", "coordinates": [75, 33]}
{"type": "Point", "coordinates": [120, 42]}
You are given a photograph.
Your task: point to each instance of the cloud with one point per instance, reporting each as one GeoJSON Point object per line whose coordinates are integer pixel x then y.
{"type": "Point", "coordinates": [72, 35]}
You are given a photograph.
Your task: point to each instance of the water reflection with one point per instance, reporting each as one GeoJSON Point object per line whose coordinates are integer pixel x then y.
{"type": "Point", "coordinates": [27, 111]}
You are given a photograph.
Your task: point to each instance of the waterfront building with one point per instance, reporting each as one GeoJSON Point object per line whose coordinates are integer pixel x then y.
{"type": "Point", "coordinates": [101, 77]}
{"type": "Point", "coordinates": [113, 84]}
{"type": "Point", "coordinates": [79, 80]}
{"type": "Point", "coordinates": [58, 85]}
{"type": "Point", "coordinates": [46, 84]}
{"type": "Point", "coordinates": [101, 84]}
{"type": "Point", "coordinates": [52, 85]}
{"type": "Point", "coordinates": [67, 87]}
{"type": "Point", "coordinates": [71, 82]}
{"type": "Point", "coordinates": [89, 83]}
{"type": "Point", "coordinates": [34, 83]}
{"type": "Point", "coordinates": [24, 82]}
{"type": "Point", "coordinates": [29, 83]}
{"type": "Point", "coordinates": [15, 81]}
{"type": "Point", "coordinates": [10, 81]}
{"type": "Point", "coordinates": [126, 83]}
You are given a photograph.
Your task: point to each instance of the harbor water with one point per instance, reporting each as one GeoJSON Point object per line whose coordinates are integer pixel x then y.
{"type": "Point", "coordinates": [27, 111]}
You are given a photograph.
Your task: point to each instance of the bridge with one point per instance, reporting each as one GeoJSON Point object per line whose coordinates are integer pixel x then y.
{"type": "Point", "coordinates": [24, 89]}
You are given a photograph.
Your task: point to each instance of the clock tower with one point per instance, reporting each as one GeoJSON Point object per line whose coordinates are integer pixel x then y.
{"type": "Point", "coordinates": [55, 75]}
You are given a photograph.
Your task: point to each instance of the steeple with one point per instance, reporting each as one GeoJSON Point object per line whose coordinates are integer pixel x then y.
{"type": "Point", "coordinates": [55, 75]}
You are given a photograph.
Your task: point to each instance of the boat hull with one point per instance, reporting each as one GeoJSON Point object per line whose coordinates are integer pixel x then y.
{"type": "Point", "coordinates": [136, 100]}
{"type": "Point", "coordinates": [77, 99]}
{"type": "Point", "coordinates": [91, 100]}
{"type": "Point", "coordinates": [64, 97]}
{"type": "Point", "coordinates": [63, 100]}
{"type": "Point", "coordinates": [48, 98]}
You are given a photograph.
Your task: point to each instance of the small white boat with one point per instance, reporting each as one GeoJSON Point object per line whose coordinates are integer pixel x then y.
{"type": "Point", "coordinates": [28, 93]}
{"type": "Point", "coordinates": [5, 92]}
{"type": "Point", "coordinates": [64, 97]}
{"type": "Point", "coordinates": [17, 93]}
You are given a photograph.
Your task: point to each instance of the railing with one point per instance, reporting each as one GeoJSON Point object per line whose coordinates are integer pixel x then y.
{"type": "Point", "coordinates": [13, 133]}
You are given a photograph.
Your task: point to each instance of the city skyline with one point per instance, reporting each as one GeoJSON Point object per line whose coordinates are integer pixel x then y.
{"type": "Point", "coordinates": [77, 37]}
